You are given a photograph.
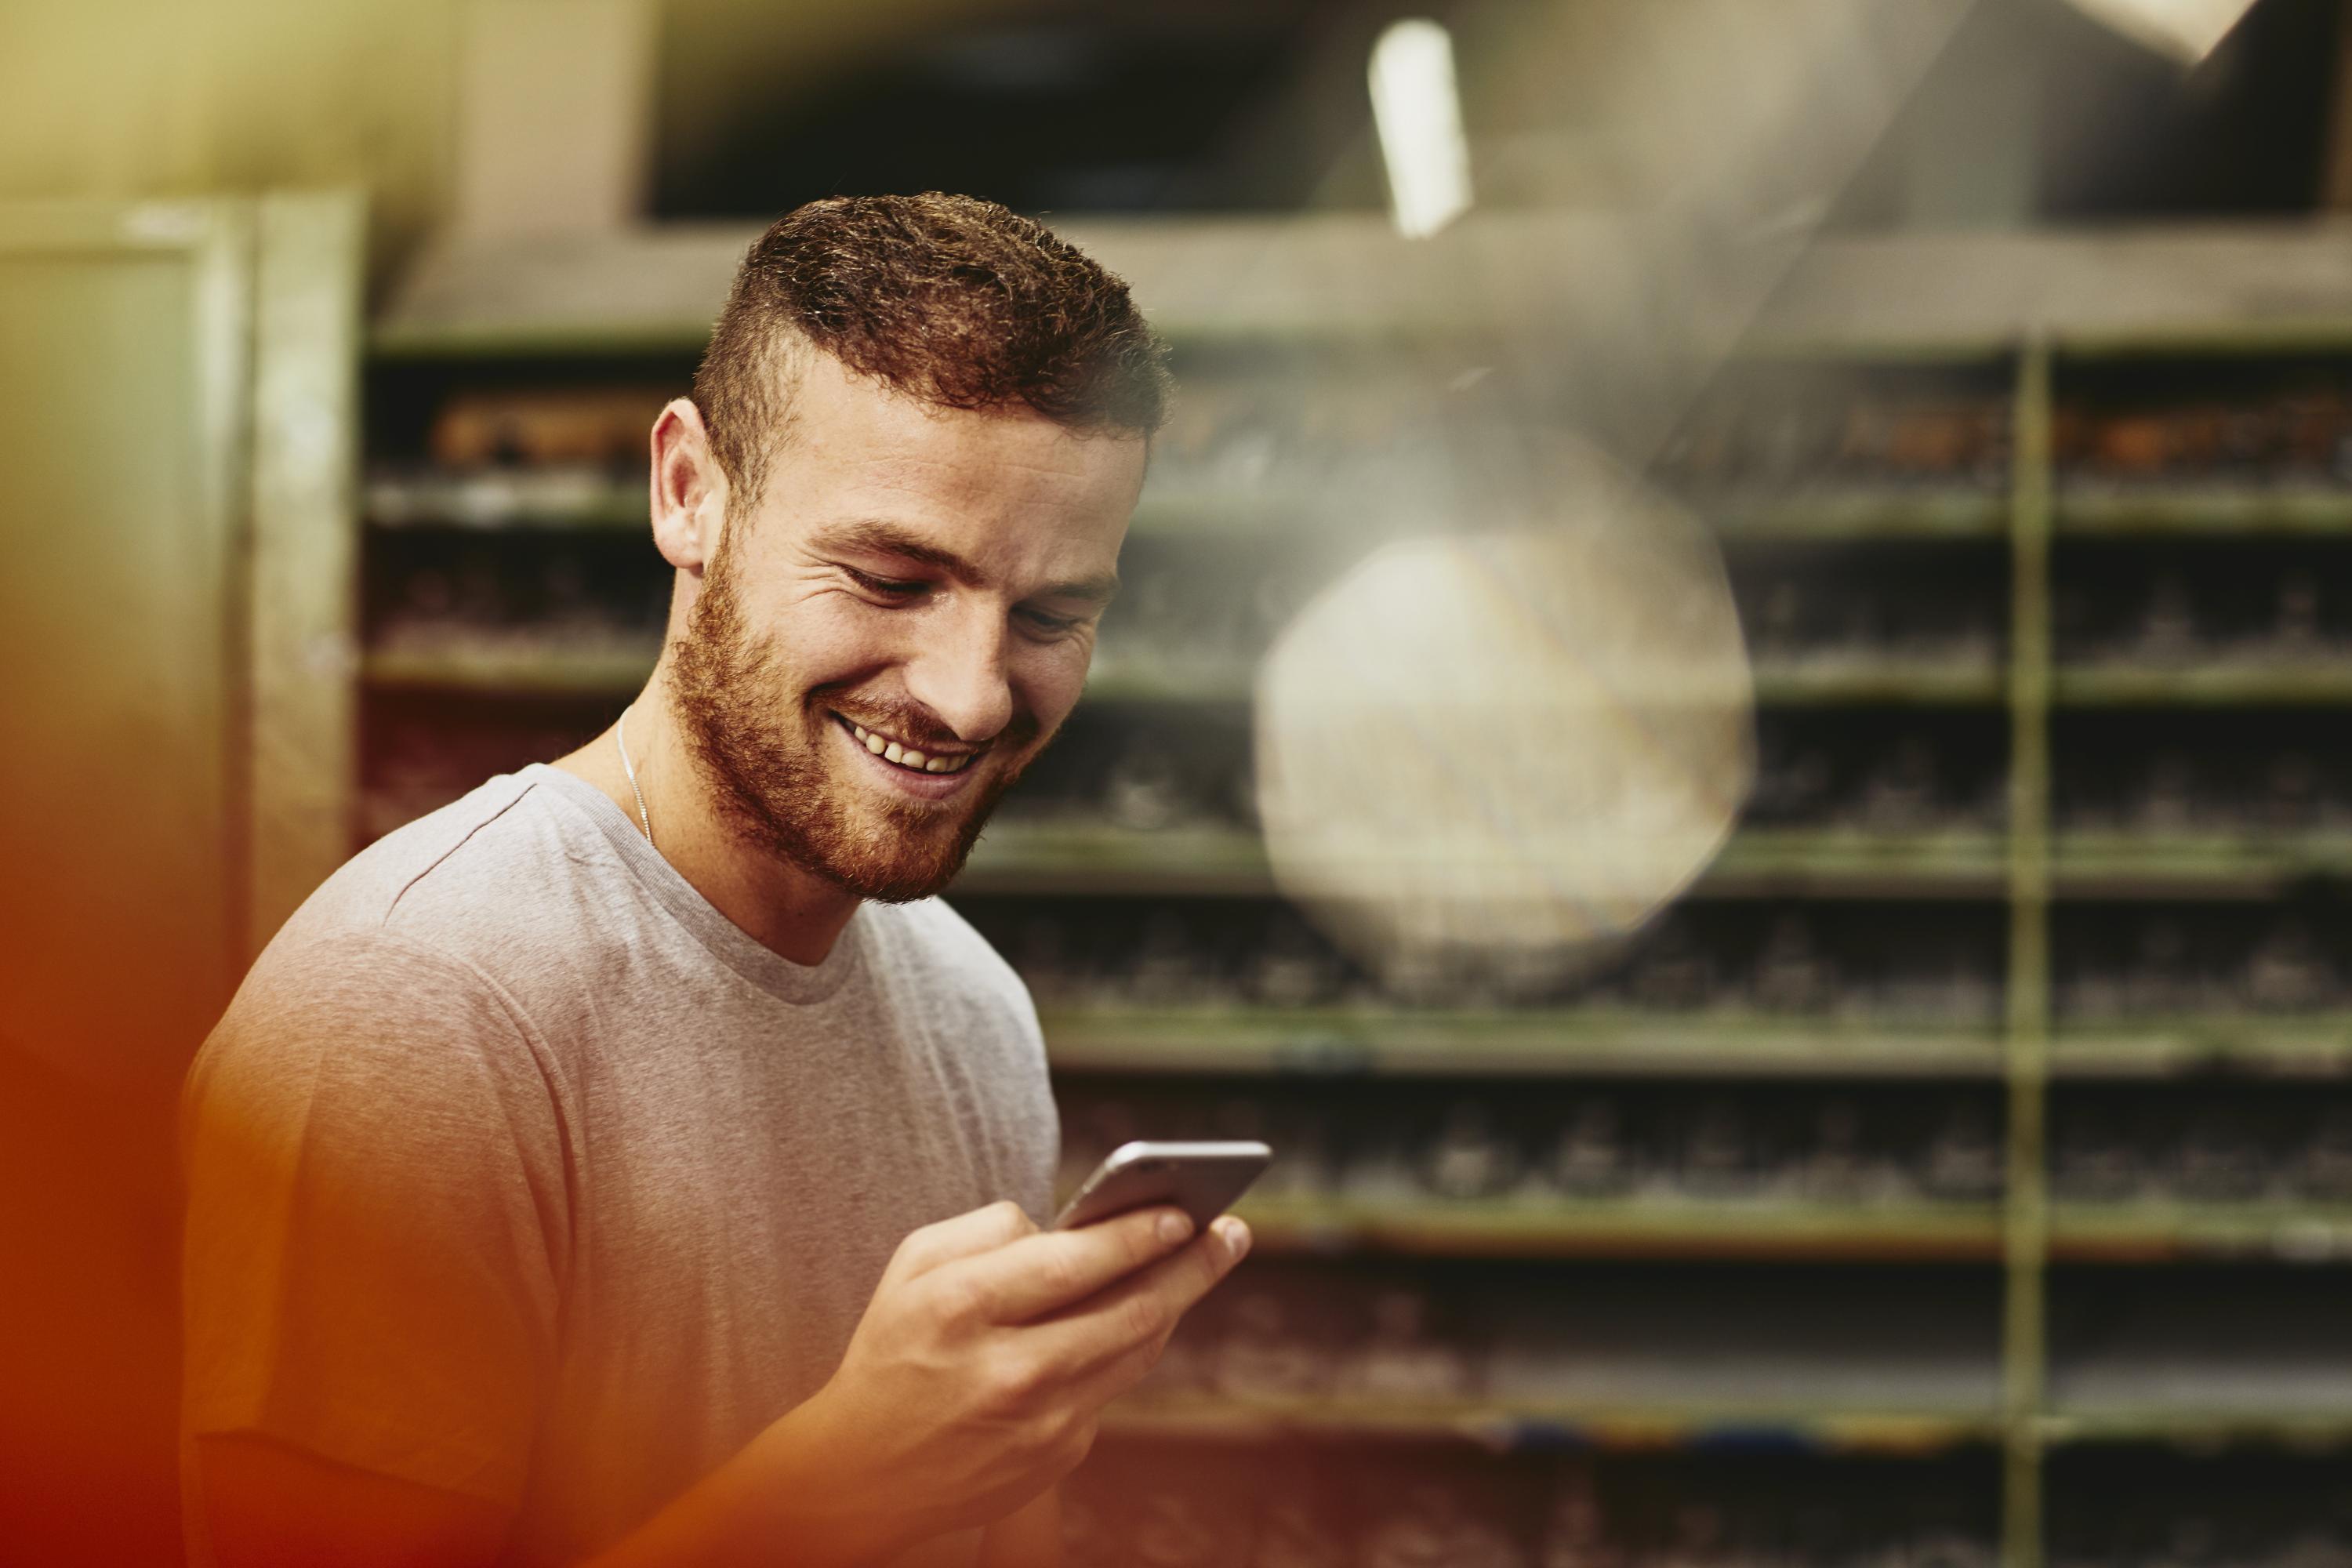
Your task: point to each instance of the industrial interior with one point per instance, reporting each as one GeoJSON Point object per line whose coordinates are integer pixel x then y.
{"type": "Point", "coordinates": [1955, 1171]}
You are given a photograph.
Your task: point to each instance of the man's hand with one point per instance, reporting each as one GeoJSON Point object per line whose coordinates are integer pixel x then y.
{"type": "Point", "coordinates": [971, 1384]}
{"type": "Point", "coordinates": [975, 1378]}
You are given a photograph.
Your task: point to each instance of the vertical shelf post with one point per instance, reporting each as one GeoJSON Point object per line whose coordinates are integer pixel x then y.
{"type": "Point", "coordinates": [302, 552]}
{"type": "Point", "coordinates": [2025, 1210]}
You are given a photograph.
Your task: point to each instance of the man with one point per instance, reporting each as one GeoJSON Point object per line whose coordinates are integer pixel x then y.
{"type": "Point", "coordinates": [632, 1162]}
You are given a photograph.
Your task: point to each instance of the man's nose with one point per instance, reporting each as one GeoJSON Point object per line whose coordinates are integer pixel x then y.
{"type": "Point", "coordinates": [959, 671]}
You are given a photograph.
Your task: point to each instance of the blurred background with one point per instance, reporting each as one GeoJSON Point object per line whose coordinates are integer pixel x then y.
{"type": "Point", "coordinates": [1958, 1171]}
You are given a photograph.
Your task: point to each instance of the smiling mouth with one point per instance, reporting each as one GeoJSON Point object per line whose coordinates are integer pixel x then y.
{"type": "Point", "coordinates": [898, 753]}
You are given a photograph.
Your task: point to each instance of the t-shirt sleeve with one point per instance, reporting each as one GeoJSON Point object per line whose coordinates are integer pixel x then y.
{"type": "Point", "coordinates": [1034, 1152]}
{"type": "Point", "coordinates": [1043, 1149]}
{"type": "Point", "coordinates": [376, 1221]}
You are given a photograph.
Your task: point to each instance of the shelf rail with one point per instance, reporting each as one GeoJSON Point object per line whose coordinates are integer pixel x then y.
{"type": "Point", "coordinates": [2025, 1210]}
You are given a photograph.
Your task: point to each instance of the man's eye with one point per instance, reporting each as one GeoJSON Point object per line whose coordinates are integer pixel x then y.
{"type": "Point", "coordinates": [1044, 622]}
{"type": "Point", "coordinates": [889, 587]}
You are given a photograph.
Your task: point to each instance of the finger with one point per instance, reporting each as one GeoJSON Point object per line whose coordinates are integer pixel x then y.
{"type": "Point", "coordinates": [1049, 1270]}
{"type": "Point", "coordinates": [1106, 1380]}
{"type": "Point", "coordinates": [1141, 1309]}
{"type": "Point", "coordinates": [970, 1235]}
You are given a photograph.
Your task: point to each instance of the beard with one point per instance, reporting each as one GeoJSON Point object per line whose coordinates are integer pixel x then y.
{"type": "Point", "coordinates": [759, 743]}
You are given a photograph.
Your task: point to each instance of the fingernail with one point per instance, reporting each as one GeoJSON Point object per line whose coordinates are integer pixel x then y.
{"type": "Point", "coordinates": [1174, 1227]}
{"type": "Point", "coordinates": [1237, 1237]}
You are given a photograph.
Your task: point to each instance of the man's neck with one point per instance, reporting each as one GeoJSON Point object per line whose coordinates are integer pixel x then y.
{"type": "Point", "coordinates": [781, 906]}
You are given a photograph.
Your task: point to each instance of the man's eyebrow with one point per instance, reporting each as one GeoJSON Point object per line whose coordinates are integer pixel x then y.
{"type": "Point", "coordinates": [879, 538]}
{"type": "Point", "coordinates": [1097, 591]}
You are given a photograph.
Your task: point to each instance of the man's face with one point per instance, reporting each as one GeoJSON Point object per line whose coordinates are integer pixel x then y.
{"type": "Point", "coordinates": [912, 581]}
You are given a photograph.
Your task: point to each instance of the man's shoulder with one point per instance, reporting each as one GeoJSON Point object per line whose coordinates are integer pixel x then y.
{"type": "Point", "coordinates": [395, 960]}
{"type": "Point", "coordinates": [485, 862]}
{"type": "Point", "coordinates": [427, 912]}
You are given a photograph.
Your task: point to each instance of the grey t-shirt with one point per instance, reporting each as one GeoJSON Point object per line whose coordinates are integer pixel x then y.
{"type": "Point", "coordinates": [517, 1170]}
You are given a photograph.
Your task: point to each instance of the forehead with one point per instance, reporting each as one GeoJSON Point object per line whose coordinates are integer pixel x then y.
{"type": "Point", "coordinates": [1006, 487]}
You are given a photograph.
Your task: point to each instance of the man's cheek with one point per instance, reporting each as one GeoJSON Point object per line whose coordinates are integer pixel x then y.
{"type": "Point", "coordinates": [1052, 685]}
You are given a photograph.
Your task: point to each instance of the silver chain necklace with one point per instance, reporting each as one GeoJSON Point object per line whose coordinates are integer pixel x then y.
{"type": "Point", "coordinates": [621, 733]}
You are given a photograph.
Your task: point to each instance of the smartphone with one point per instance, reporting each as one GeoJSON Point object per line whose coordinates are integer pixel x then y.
{"type": "Point", "coordinates": [1202, 1179]}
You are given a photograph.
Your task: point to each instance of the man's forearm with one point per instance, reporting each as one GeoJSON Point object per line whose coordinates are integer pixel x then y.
{"type": "Point", "coordinates": [1031, 1538]}
{"type": "Point", "coordinates": [776, 1502]}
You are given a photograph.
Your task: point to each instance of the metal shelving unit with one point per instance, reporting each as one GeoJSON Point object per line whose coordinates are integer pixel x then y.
{"type": "Point", "coordinates": [2027, 868]}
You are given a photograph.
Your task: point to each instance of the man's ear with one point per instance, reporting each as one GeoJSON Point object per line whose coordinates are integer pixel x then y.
{"type": "Point", "coordinates": [688, 488]}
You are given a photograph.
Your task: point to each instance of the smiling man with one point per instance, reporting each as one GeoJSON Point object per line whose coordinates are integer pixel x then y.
{"type": "Point", "coordinates": [632, 1162]}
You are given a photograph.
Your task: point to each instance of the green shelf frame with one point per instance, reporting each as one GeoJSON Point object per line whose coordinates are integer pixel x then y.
{"type": "Point", "coordinates": [1848, 513]}
{"type": "Point", "coordinates": [2025, 1220]}
{"type": "Point", "coordinates": [525, 502]}
{"type": "Point", "coordinates": [2281, 1046]}
{"type": "Point", "coordinates": [1531, 1227]}
{"type": "Point", "coordinates": [1538, 1226]}
{"type": "Point", "coordinates": [1765, 862]}
{"type": "Point", "coordinates": [1605, 1042]}
{"type": "Point", "coordinates": [2153, 1232]}
{"type": "Point", "coordinates": [1031, 856]}
{"type": "Point", "coordinates": [1020, 857]}
{"type": "Point", "coordinates": [2202, 864]}
{"type": "Point", "coordinates": [1341, 1042]}
{"type": "Point", "coordinates": [1842, 514]}
{"type": "Point", "coordinates": [1504, 1426]}
{"type": "Point", "coordinates": [489, 668]}
{"type": "Point", "coordinates": [2120, 512]}
{"type": "Point", "coordinates": [1849, 681]}
{"type": "Point", "coordinates": [496, 503]}
{"type": "Point", "coordinates": [2200, 1430]}
{"type": "Point", "coordinates": [2214, 684]}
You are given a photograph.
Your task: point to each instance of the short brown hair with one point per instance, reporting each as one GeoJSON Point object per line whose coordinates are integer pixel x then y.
{"type": "Point", "coordinates": [955, 301]}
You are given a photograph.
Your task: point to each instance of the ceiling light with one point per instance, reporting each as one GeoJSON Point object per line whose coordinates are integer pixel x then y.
{"type": "Point", "coordinates": [2188, 30]}
{"type": "Point", "coordinates": [1418, 115]}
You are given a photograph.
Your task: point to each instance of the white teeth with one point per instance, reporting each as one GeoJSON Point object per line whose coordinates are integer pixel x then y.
{"type": "Point", "coordinates": [907, 756]}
